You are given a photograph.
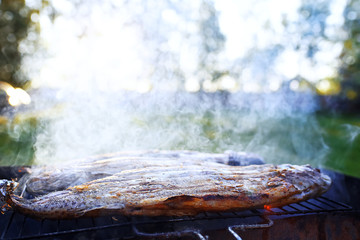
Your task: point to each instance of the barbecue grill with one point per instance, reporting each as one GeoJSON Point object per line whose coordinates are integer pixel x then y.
{"type": "Point", "coordinates": [325, 217]}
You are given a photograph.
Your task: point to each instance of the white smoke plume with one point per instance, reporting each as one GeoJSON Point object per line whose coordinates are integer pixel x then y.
{"type": "Point", "coordinates": [128, 78]}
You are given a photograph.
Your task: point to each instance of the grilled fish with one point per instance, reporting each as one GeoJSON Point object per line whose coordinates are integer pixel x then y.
{"type": "Point", "coordinates": [43, 180]}
{"type": "Point", "coordinates": [177, 189]}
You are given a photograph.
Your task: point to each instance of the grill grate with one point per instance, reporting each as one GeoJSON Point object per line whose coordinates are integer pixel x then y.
{"type": "Point", "coordinates": [17, 226]}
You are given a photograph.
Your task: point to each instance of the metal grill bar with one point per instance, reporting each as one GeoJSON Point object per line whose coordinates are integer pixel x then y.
{"type": "Point", "coordinates": [304, 206]}
{"type": "Point", "coordinates": [7, 226]}
{"type": "Point", "coordinates": [194, 233]}
{"type": "Point", "coordinates": [268, 223]}
{"type": "Point", "coordinates": [335, 205]}
{"type": "Point", "coordinates": [334, 202]}
{"type": "Point", "coordinates": [41, 227]}
{"type": "Point", "coordinates": [16, 226]}
{"type": "Point", "coordinates": [22, 227]}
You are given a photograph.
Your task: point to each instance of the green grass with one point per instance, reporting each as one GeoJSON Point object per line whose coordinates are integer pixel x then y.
{"type": "Point", "coordinates": [342, 136]}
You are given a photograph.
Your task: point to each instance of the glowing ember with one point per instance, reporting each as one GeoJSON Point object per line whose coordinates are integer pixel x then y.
{"type": "Point", "coordinates": [267, 207]}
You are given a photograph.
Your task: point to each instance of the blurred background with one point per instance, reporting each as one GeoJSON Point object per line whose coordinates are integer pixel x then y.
{"type": "Point", "coordinates": [282, 80]}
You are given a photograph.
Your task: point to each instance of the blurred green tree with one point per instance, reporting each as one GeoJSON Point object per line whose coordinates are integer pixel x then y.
{"type": "Point", "coordinates": [212, 40]}
{"type": "Point", "coordinates": [350, 57]}
{"type": "Point", "coordinates": [17, 23]}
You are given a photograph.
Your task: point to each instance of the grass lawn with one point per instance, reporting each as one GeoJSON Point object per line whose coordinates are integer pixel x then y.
{"type": "Point", "coordinates": [342, 135]}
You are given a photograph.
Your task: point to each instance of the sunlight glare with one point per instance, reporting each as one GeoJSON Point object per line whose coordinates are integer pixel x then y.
{"type": "Point", "coordinates": [107, 45]}
{"type": "Point", "coordinates": [328, 87]}
{"type": "Point", "coordinates": [209, 86]}
{"type": "Point", "coordinates": [192, 85]}
{"type": "Point", "coordinates": [17, 96]}
{"type": "Point", "coordinates": [227, 83]}
{"type": "Point", "coordinates": [274, 85]}
{"type": "Point", "coordinates": [89, 50]}
{"type": "Point", "coordinates": [294, 85]}
{"type": "Point", "coordinates": [143, 87]}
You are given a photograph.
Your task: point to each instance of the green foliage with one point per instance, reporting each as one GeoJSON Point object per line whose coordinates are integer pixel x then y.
{"type": "Point", "coordinates": [341, 135]}
{"type": "Point", "coordinates": [16, 22]}
{"type": "Point", "coordinates": [350, 58]}
{"type": "Point", "coordinates": [17, 138]}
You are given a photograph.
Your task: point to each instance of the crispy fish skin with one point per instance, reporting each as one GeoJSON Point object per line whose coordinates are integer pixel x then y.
{"type": "Point", "coordinates": [177, 190]}
{"type": "Point", "coordinates": [44, 180]}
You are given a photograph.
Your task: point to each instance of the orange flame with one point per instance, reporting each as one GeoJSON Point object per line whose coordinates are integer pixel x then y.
{"type": "Point", "coordinates": [267, 207]}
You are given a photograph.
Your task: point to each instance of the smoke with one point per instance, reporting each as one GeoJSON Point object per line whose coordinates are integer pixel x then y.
{"type": "Point", "coordinates": [99, 122]}
{"type": "Point", "coordinates": [121, 74]}
{"type": "Point", "coordinates": [352, 132]}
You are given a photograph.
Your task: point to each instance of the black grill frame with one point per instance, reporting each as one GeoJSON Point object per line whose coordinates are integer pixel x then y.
{"type": "Point", "coordinates": [14, 225]}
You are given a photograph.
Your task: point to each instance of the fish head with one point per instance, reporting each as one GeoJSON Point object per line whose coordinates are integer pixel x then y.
{"type": "Point", "coordinates": [7, 187]}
